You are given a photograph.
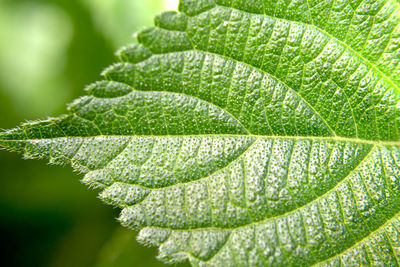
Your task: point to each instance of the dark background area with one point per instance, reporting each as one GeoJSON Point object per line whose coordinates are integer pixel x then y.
{"type": "Point", "coordinates": [49, 51]}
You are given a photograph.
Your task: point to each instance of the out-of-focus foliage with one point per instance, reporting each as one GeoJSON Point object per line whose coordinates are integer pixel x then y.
{"type": "Point", "coordinates": [118, 251]}
{"type": "Point", "coordinates": [116, 18]}
{"type": "Point", "coordinates": [33, 55]}
{"type": "Point", "coordinates": [49, 51]}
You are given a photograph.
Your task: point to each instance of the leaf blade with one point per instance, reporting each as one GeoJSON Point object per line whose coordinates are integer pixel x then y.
{"type": "Point", "coordinates": [245, 133]}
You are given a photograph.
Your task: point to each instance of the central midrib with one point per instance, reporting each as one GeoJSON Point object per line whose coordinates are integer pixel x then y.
{"type": "Point", "coordinates": [271, 137]}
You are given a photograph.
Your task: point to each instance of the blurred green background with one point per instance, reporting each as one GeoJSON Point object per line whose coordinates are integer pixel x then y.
{"type": "Point", "coordinates": [49, 51]}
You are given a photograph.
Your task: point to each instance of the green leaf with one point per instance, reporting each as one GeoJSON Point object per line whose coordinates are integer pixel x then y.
{"type": "Point", "coordinates": [247, 132]}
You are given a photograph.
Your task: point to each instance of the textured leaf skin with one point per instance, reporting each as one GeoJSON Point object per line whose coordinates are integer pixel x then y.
{"type": "Point", "coordinates": [247, 132]}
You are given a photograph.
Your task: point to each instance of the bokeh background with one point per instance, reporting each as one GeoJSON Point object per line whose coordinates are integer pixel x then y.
{"type": "Point", "coordinates": [49, 51]}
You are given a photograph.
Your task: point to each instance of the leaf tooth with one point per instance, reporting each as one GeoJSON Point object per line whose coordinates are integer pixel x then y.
{"type": "Point", "coordinates": [98, 179]}
{"type": "Point", "coordinates": [171, 20]}
{"type": "Point", "coordinates": [153, 236]}
{"type": "Point", "coordinates": [174, 249]}
{"type": "Point", "coordinates": [164, 41]}
{"type": "Point", "coordinates": [201, 244]}
{"type": "Point", "coordinates": [120, 72]}
{"type": "Point", "coordinates": [121, 194]}
{"type": "Point", "coordinates": [193, 8]}
{"type": "Point", "coordinates": [133, 53]}
{"type": "Point", "coordinates": [109, 89]}
{"type": "Point", "coordinates": [132, 217]}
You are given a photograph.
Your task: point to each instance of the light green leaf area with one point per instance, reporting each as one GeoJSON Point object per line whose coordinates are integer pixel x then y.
{"type": "Point", "coordinates": [247, 132]}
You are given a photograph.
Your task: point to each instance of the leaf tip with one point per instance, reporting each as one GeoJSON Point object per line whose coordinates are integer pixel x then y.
{"type": "Point", "coordinates": [9, 140]}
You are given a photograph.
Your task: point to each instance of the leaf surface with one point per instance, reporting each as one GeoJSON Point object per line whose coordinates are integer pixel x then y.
{"type": "Point", "coordinates": [246, 132]}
